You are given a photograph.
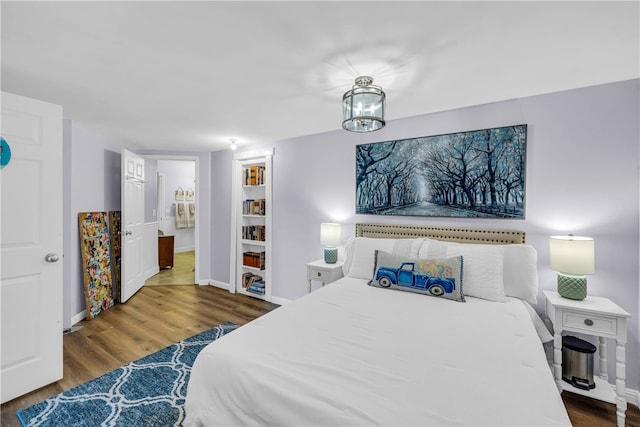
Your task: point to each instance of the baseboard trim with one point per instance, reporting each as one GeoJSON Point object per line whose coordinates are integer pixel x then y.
{"type": "Point", "coordinates": [633, 397]}
{"type": "Point", "coordinates": [78, 317]}
{"type": "Point", "coordinates": [181, 249]}
{"type": "Point", "coordinates": [227, 287]}
{"type": "Point", "coordinates": [280, 301]}
{"type": "Point", "coordinates": [217, 284]}
{"type": "Point", "coordinates": [151, 272]}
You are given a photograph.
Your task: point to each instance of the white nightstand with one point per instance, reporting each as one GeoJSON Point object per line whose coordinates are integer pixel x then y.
{"type": "Point", "coordinates": [597, 317]}
{"type": "Point", "coordinates": [323, 272]}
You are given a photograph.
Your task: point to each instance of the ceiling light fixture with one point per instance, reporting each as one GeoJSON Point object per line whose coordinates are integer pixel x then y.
{"type": "Point", "coordinates": [363, 106]}
{"type": "Point", "coordinates": [233, 143]}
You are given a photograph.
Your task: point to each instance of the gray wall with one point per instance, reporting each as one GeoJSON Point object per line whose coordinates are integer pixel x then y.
{"type": "Point", "coordinates": [582, 178]}
{"type": "Point", "coordinates": [91, 184]}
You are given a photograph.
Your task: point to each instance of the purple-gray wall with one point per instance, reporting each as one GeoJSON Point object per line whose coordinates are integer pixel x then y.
{"type": "Point", "coordinates": [582, 178]}
{"type": "Point", "coordinates": [221, 162]}
{"type": "Point", "coordinates": [91, 184]}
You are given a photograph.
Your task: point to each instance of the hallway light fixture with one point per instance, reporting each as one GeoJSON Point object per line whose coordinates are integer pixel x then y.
{"type": "Point", "coordinates": [233, 146]}
{"type": "Point", "coordinates": [363, 106]}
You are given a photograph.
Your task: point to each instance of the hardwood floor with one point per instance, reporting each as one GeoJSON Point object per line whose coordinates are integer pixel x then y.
{"type": "Point", "coordinates": [158, 316]}
{"type": "Point", "coordinates": [182, 272]}
{"type": "Point", "coordinates": [154, 318]}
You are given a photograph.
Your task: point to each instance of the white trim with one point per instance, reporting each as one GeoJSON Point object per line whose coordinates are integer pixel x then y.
{"type": "Point", "coordinates": [196, 159]}
{"type": "Point", "coordinates": [280, 301]}
{"type": "Point", "coordinates": [181, 249]}
{"type": "Point", "coordinates": [78, 317]}
{"type": "Point", "coordinates": [151, 272]}
{"type": "Point", "coordinates": [633, 397]}
{"type": "Point", "coordinates": [217, 284]}
{"type": "Point", "coordinates": [253, 154]}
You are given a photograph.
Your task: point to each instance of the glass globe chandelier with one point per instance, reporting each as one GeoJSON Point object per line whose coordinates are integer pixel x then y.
{"type": "Point", "coordinates": [363, 106]}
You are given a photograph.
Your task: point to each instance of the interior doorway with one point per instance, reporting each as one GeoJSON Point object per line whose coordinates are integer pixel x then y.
{"type": "Point", "coordinates": [175, 210]}
{"type": "Point", "coordinates": [182, 272]}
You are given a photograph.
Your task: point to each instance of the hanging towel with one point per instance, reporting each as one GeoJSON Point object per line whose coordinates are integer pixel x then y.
{"type": "Point", "coordinates": [191, 215]}
{"type": "Point", "coordinates": [181, 216]}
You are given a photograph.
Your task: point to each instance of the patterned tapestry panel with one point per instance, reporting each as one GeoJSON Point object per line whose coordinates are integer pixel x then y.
{"type": "Point", "coordinates": [95, 247]}
{"type": "Point", "coordinates": [116, 248]}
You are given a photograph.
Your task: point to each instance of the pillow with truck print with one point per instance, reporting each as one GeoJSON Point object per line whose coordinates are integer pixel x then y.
{"type": "Point", "coordinates": [438, 277]}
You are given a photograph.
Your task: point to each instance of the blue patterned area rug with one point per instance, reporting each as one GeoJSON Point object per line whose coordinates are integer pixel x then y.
{"type": "Point", "coordinates": [147, 392]}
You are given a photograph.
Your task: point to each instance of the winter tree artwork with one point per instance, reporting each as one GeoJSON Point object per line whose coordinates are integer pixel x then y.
{"type": "Point", "coordinates": [479, 174]}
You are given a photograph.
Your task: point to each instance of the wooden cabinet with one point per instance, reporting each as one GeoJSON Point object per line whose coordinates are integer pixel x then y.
{"type": "Point", "coordinates": [165, 251]}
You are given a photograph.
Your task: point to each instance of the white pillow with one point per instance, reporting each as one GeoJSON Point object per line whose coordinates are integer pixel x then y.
{"type": "Point", "coordinates": [360, 253]}
{"type": "Point", "coordinates": [521, 272]}
{"type": "Point", "coordinates": [482, 266]}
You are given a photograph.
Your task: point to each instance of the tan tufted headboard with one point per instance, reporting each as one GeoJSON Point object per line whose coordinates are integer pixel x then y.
{"type": "Point", "coordinates": [450, 234]}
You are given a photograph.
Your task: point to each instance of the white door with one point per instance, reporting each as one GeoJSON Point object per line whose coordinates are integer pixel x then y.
{"type": "Point", "coordinates": [132, 224]}
{"type": "Point", "coordinates": [31, 246]}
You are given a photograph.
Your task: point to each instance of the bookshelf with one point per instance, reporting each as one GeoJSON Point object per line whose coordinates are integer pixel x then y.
{"type": "Point", "coordinates": [251, 228]}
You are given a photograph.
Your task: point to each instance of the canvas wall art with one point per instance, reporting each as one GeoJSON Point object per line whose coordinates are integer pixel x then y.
{"type": "Point", "coordinates": [95, 247]}
{"type": "Point", "coordinates": [473, 174]}
{"type": "Point", "coordinates": [115, 221]}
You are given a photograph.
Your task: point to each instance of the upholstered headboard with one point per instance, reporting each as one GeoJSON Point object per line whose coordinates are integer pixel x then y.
{"type": "Point", "coordinates": [451, 234]}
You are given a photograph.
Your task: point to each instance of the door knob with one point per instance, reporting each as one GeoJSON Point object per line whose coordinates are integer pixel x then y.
{"type": "Point", "coordinates": [51, 257]}
{"type": "Point", "coordinates": [128, 233]}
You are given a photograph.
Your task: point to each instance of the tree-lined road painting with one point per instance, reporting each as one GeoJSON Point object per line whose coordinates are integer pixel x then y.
{"type": "Point", "coordinates": [466, 174]}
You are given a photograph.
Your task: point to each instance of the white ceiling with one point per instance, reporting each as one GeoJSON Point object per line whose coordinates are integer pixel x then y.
{"type": "Point", "coordinates": [190, 75]}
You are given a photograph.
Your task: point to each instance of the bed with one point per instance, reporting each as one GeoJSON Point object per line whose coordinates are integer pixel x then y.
{"type": "Point", "coordinates": [359, 352]}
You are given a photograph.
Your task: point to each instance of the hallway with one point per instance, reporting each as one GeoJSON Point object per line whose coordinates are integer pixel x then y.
{"type": "Point", "coordinates": [182, 272]}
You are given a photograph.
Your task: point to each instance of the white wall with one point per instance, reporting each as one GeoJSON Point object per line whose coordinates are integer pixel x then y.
{"type": "Point", "coordinates": [582, 177]}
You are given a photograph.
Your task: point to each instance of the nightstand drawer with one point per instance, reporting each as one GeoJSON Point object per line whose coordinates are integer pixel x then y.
{"type": "Point", "coordinates": [323, 272]}
{"type": "Point", "coordinates": [590, 323]}
{"type": "Point", "coordinates": [321, 275]}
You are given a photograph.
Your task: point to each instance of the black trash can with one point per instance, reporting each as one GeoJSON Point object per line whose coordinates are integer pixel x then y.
{"type": "Point", "coordinates": [577, 362]}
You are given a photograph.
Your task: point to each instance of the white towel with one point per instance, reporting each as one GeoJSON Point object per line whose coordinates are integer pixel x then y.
{"type": "Point", "coordinates": [181, 216]}
{"type": "Point", "coordinates": [191, 215]}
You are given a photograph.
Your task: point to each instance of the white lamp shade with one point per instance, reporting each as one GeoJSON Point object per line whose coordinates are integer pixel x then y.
{"type": "Point", "coordinates": [329, 234]}
{"type": "Point", "coordinates": [572, 254]}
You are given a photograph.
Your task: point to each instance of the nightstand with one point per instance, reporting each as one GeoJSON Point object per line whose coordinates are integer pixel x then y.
{"type": "Point", "coordinates": [323, 272]}
{"type": "Point", "coordinates": [598, 317]}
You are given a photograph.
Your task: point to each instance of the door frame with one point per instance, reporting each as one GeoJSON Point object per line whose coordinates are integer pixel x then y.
{"type": "Point", "coordinates": [196, 159]}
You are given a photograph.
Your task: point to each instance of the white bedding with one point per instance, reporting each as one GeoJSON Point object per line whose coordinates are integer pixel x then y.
{"type": "Point", "coordinates": [351, 354]}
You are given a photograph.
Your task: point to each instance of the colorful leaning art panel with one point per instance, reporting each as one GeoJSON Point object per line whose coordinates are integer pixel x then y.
{"type": "Point", "coordinates": [95, 247]}
{"type": "Point", "coordinates": [116, 248]}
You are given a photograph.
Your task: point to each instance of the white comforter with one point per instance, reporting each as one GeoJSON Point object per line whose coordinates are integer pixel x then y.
{"type": "Point", "coordinates": [350, 354]}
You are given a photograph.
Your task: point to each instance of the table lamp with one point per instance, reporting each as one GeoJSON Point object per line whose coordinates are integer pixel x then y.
{"type": "Point", "coordinates": [330, 238]}
{"type": "Point", "coordinates": [573, 258]}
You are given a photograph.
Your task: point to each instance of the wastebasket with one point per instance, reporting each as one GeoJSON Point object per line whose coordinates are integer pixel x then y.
{"type": "Point", "coordinates": [577, 362]}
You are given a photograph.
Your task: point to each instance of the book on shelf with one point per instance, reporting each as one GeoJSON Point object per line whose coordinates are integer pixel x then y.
{"type": "Point", "coordinates": [254, 175]}
{"type": "Point", "coordinates": [253, 259]}
{"type": "Point", "coordinates": [254, 232]}
{"type": "Point", "coordinates": [256, 288]}
{"type": "Point", "coordinates": [254, 207]}
{"type": "Point", "coordinates": [249, 279]}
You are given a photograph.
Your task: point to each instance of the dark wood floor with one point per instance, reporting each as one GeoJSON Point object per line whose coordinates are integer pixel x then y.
{"type": "Point", "coordinates": [161, 315]}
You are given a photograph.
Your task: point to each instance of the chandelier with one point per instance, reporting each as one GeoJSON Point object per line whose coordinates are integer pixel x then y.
{"type": "Point", "coordinates": [363, 106]}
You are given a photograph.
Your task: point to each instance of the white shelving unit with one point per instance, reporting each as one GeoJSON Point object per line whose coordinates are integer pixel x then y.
{"type": "Point", "coordinates": [251, 225]}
